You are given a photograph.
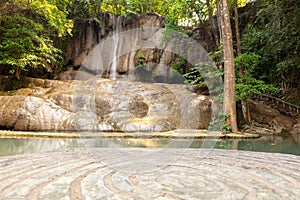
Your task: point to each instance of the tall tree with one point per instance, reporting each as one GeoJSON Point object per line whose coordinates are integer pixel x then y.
{"type": "Point", "coordinates": [229, 68]}
{"type": "Point", "coordinates": [244, 102]}
{"type": "Point", "coordinates": [212, 21]}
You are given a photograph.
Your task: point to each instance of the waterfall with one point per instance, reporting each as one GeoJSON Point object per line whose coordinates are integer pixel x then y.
{"type": "Point", "coordinates": [118, 27]}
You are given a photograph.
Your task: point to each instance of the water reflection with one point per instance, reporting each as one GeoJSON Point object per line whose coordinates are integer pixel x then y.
{"type": "Point", "coordinates": [14, 146]}
{"type": "Point", "coordinates": [265, 144]}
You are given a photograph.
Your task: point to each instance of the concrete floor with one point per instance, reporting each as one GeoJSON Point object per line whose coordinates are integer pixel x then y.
{"type": "Point", "coordinates": [150, 173]}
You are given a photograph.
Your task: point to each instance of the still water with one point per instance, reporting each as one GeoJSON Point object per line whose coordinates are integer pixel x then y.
{"type": "Point", "coordinates": [15, 146]}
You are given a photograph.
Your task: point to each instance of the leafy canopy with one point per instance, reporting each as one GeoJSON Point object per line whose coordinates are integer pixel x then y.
{"type": "Point", "coordinates": [27, 29]}
{"type": "Point", "coordinates": [275, 37]}
{"type": "Point", "coordinates": [247, 85]}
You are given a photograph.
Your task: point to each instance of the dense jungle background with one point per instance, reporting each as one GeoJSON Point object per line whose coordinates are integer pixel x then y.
{"type": "Point", "coordinates": [35, 34]}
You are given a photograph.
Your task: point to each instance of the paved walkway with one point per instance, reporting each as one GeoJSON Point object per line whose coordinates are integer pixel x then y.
{"type": "Point", "coordinates": [140, 173]}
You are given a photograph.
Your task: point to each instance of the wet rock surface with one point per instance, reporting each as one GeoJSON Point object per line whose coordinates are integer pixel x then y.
{"type": "Point", "coordinates": [103, 105]}
{"type": "Point", "coordinates": [196, 174]}
{"type": "Point", "coordinates": [267, 117]}
{"type": "Point", "coordinates": [88, 35]}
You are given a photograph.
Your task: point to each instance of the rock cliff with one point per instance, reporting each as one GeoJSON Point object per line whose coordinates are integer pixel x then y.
{"type": "Point", "coordinates": [126, 43]}
{"type": "Point", "coordinates": [88, 35]}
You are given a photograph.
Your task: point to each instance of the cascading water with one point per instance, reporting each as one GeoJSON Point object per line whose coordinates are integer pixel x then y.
{"type": "Point", "coordinates": [118, 27]}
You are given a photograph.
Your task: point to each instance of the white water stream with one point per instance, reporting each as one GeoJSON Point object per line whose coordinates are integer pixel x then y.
{"type": "Point", "coordinates": [118, 29]}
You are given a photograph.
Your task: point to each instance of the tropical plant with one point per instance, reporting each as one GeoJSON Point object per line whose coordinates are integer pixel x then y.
{"type": "Point", "coordinates": [247, 85]}
{"type": "Point", "coordinates": [27, 29]}
{"type": "Point", "coordinates": [275, 37]}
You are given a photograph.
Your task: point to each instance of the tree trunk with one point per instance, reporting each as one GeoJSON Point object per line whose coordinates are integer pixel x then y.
{"type": "Point", "coordinates": [229, 68]}
{"type": "Point", "coordinates": [237, 29]}
{"type": "Point", "coordinates": [18, 73]}
{"type": "Point", "coordinates": [244, 102]}
{"type": "Point", "coordinates": [213, 25]}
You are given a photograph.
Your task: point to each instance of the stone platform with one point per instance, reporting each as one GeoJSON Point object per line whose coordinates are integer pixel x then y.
{"type": "Point", "coordinates": [150, 173]}
{"type": "Point", "coordinates": [176, 134]}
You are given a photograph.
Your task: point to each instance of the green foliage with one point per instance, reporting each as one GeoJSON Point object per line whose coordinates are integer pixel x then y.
{"type": "Point", "coordinates": [141, 59]}
{"type": "Point", "coordinates": [186, 13]}
{"type": "Point", "coordinates": [207, 70]}
{"type": "Point", "coordinates": [23, 45]}
{"type": "Point", "coordinates": [83, 10]}
{"type": "Point", "coordinates": [247, 85]}
{"type": "Point", "coordinates": [194, 77]}
{"type": "Point", "coordinates": [123, 7]}
{"type": "Point", "coordinates": [56, 18]}
{"type": "Point", "coordinates": [227, 128]}
{"type": "Point", "coordinates": [52, 14]}
{"type": "Point", "coordinates": [180, 65]}
{"type": "Point", "coordinates": [26, 33]}
{"type": "Point", "coordinates": [275, 36]}
{"type": "Point", "coordinates": [207, 75]}
{"type": "Point", "coordinates": [217, 56]}
{"type": "Point", "coordinates": [217, 123]}
{"type": "Point", "coordinates": [190, 13]}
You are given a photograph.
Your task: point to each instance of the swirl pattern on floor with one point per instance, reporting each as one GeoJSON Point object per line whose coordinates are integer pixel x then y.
{"type": "Point", "coordinates": [197, 174]}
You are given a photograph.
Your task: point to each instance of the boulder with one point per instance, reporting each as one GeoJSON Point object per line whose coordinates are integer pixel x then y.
{"type": "Point", "coordinates": [262, 113]}
{"type": "Point", "coordinates": [103, 105]}
{"type": "Point", "coordinates": [270, 117]}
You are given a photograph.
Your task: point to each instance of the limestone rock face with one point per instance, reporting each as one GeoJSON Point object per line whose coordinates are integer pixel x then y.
{"type": "Point", "coordinates": [103, 105]}
{"type": "Point", "coordinates": [119, 45]}
{"type": "Point", "coordinates": [88, 35]}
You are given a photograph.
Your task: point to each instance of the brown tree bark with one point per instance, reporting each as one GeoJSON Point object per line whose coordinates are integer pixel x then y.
{"type": "Point", "coordinates": [212, 21]}
{"type": "Point", "coordinates": [237, 29]}
{"type": "Point", "coordinates": [244, 102]}
{"type": "Point", "coordinates": [229, 68]}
